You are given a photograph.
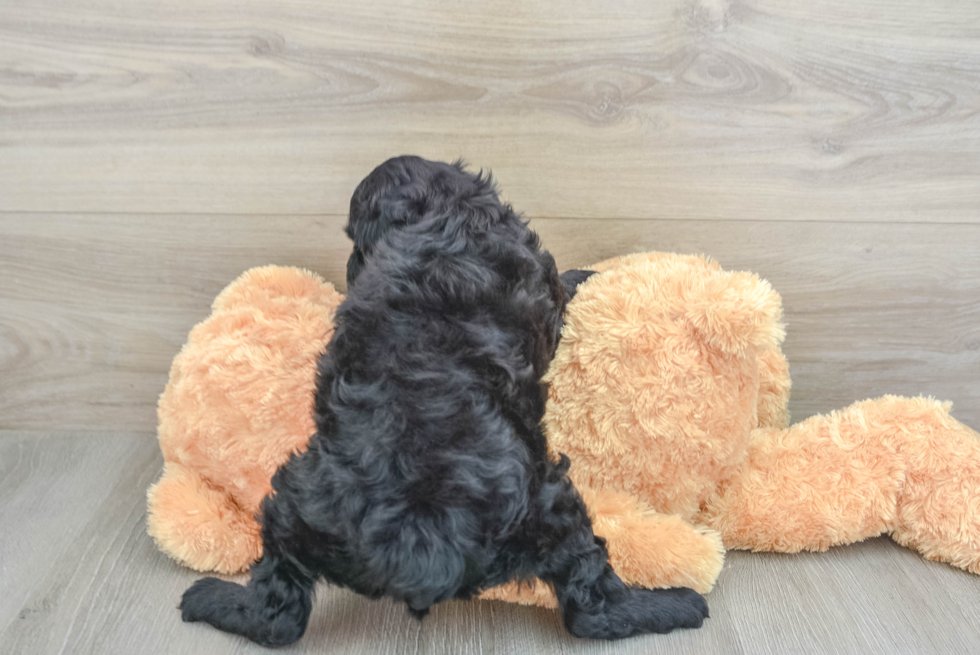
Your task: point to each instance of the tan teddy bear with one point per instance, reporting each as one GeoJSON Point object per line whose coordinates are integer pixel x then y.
{"type": "Point", "coordinates": [668, 393]}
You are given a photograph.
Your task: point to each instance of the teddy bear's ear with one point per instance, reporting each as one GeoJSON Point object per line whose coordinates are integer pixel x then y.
{"type": "Point", "coordinates": [274, 282]}
{"type": "Point", "coordinates": [659, 260]}
{"type": "Point", "coordinates": [737, 313]}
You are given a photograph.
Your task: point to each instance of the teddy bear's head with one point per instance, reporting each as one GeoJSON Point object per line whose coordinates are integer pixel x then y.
{"type": "Point", "coordinates": [238, 400]}
{"type": "Point", "coordinates": [665, 366]}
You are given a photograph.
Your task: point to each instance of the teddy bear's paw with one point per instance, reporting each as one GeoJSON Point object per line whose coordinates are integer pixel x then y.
{"type": "Point", "coordinates": [530, 592]}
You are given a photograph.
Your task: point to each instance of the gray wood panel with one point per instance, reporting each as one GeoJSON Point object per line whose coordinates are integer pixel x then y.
{"type": "Point", "coordinates": [91, 581]}
{"type": "Point", "coordinates": [94, 307]}
{"type": "Point", "coordinates": [742, 109]}
{"type": "Point", "coordinates": [150, 152]}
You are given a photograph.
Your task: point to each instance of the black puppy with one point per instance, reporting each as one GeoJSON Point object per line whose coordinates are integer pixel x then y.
{"type": "Point", "coordinates": [428, 477]}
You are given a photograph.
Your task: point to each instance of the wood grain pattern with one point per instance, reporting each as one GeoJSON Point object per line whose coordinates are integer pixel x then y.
{"type": "Point", "coordinates": [96, 584]}
{"type": "Point", "coordinates": [150, 152]}
{"type": "Point", "coordinates": [93, 308]}
{"type": "Point", "coordinates": [683, 109]}
{"type": "Point", "coordinates": [49, 488]}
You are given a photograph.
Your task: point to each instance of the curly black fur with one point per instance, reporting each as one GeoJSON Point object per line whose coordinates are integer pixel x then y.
{"type": "Point", "coordinates": [428, 477]}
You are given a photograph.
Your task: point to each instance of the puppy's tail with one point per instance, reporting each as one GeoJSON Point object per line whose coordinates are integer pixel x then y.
{"type": "Point", "coordinates": [272, 610]}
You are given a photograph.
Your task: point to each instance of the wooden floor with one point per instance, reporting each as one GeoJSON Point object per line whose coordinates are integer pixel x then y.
{"type": "Point", "coordinates": [150, 151]}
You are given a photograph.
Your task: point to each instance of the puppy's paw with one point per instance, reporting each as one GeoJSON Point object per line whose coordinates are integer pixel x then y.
{"type": "Point", "coordinates": [204, 597]}
{"type": "Point", "coordinates": [679, 607]}
{"type": "Point", "coordinates": [639, 611]}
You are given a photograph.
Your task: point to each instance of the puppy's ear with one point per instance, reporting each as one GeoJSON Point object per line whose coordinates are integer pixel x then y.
{"type": "Point", "coordinates": [354, 265]}
{"type": "Point", "coordinates": [385, 200]}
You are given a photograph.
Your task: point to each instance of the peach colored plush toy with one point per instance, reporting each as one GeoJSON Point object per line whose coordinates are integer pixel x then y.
{"type": "Point", "coordinates": [668, 392]}
{"type": "Point", "coordinates": [238, 402]}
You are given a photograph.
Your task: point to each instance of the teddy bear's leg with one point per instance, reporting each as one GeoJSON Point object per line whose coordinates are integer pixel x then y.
{"type": "Point", "coordinates": [892, 465]}
{"type": "Point", "coordinates": [654, 550]}
{"type": "Point", "coordinates": [199, 526]}
{"type": "Point", "coordinates": [939, 508]}
{"type": "Point", "coordinates": [646, 549]}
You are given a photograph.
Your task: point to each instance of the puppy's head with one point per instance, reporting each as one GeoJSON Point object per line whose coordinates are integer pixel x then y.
{"type": "Point", "coordinates": [401, 192]}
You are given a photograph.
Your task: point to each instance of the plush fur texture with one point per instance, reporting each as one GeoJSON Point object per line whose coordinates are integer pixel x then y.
{"type": "Point", "coordinates": [638, 359]}
{"type": "Point", "coordinates": [238, 404]}
{"type": "Point", "coordinates": [703, 431]}
{"type": "Point", "coordinates": [428, 476]}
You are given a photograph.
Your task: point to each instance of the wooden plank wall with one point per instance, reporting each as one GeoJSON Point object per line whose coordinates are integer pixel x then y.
{"type": "Point", "coordinates": [149, 152]}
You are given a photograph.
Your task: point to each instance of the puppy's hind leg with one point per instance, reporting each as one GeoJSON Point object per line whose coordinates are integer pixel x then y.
{"type": "Point", "coordinates": [272, 610]}
{"type": "Point", "coordinates": [595, 603]}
